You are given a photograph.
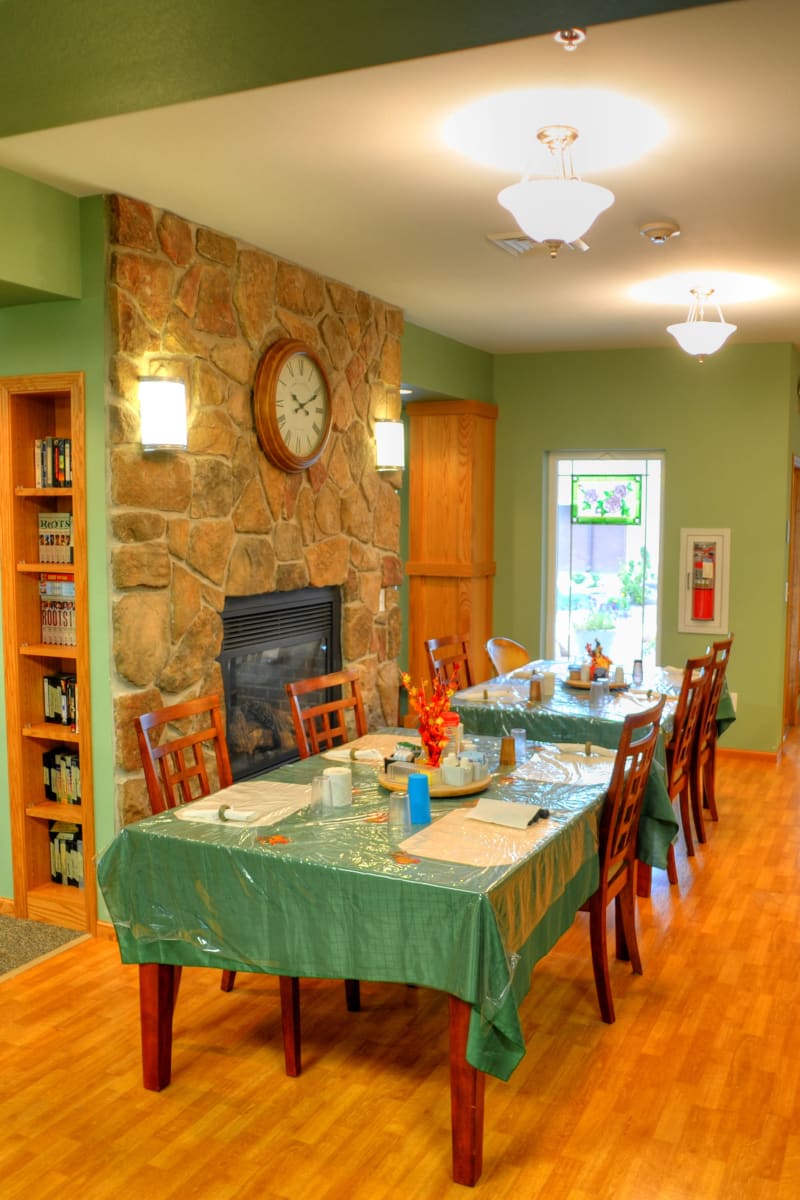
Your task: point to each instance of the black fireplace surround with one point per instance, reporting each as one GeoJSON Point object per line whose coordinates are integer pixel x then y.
{"type": "Point", "coordinates": [268, 641]}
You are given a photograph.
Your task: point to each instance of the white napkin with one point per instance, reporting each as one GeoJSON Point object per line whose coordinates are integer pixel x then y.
{"type": "Point", "coordinates": [503, 812]}
{"type": "Point", "coordinates": [254, 802]}
{"type": "Point", "coordinates": [568, 762]}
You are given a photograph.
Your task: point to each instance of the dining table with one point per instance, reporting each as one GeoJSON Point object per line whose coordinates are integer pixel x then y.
{"type": "Point", "coordinates": [465, 904]}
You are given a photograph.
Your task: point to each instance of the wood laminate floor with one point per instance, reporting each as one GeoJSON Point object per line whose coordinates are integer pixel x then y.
{"type": "Point", "coordinates": [694, 1093]}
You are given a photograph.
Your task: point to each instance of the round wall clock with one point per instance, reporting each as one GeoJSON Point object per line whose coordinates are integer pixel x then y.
{"type": "Point", "coordinates": [292, 405]}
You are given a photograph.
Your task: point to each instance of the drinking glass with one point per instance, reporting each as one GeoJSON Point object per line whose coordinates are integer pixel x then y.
{"type": "Point", "coordinates": [638, 674]}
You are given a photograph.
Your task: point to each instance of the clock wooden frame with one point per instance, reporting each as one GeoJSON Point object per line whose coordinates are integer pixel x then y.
{"type": "Point", "coordinates": [264, 404]}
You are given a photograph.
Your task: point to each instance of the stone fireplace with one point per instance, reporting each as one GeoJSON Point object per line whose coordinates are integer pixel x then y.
{"type": "Point", "coordinates": [189, 531]}
{"type": "Point", "coordinates": [269, 641]}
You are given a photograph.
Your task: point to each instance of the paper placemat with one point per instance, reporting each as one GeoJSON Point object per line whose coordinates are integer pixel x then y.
{"type": "Point", "coordinates": [253, 802]}
{"type": "Point", "coordinates": [458, 838]}
{"type": "Point", "coordinates": [567, 762]}
{"type": "Point", "coordinates": [371, 748]}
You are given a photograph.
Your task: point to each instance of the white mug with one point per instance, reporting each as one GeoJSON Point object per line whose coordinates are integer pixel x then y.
{"type": "Point", "coordinates": [341, 785]}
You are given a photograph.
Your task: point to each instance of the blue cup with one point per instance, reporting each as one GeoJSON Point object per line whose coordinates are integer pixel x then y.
{"type": "Point", "coordinates": [419, 799]}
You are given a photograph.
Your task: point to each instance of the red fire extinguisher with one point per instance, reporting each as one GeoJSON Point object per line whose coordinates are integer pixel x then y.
{"type": "Point", "coordinates": [703, 581]}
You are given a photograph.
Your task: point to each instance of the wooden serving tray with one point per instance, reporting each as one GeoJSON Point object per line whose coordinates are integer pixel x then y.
{"type": "Point", "coordinates": [441, 791]}
{"type": "Point", "coordinates": [578, 683]}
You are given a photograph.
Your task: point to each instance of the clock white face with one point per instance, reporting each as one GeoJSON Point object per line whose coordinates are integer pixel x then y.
{"type": "Point", "coordinates": [301, 405]}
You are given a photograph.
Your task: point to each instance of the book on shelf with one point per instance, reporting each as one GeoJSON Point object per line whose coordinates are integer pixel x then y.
{"type": "Point", "coordinates": [66, 853]}
{"type": "Point", "coordinates": [57, 609]}
{"type": "Point", "coordinates": [52, 462]}
{"type": "Point", "coordinates": [55, 538]}
{"type": "Point", "coordinates": [61, 776]}
{"type": "Point", "coordinates": [61, 700]}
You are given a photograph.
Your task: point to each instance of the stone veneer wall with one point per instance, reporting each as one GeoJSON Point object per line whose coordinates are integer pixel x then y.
{"type": "Point", "coordinates": [188, 529]}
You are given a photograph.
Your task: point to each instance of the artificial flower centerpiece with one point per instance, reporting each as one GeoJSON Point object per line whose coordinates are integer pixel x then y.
{"type": "Point", "coordinates": [431, 712]}
{"type": "Point", "coordinates": [599, 663]}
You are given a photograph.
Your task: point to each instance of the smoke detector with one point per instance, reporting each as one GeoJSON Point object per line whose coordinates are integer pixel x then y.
{"type": "Point", "coordinates": [659, 232]}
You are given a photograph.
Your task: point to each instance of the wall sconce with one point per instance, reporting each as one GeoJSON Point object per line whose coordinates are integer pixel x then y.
{"type": "Point", "coordinates": [162, 409]}
{"type": "Point", "coordinates": [390, 445]}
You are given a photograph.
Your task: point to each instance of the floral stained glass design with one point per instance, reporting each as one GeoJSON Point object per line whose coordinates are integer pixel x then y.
{"type": "Point", "coordinates": [606, 499]}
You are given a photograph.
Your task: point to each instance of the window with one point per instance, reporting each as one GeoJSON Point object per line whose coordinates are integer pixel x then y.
{"type": "Point", "coordinates": [604, 553]}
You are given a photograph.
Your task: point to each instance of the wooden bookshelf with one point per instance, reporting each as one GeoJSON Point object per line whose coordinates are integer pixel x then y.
{"type": "Point", "coordinates": [34, 407]}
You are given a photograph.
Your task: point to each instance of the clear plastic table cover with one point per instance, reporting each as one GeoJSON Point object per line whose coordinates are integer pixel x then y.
{"type": "Point", "coordinates": [330, 895]}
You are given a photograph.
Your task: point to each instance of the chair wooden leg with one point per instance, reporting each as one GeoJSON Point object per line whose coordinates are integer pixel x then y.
{"type": "Point", "coordinates": [696, 795]}
{"type": "Point", "coordinates": [625, 928]}
{"type": "Point", "coordinates": [290, 1023]}
{"type": "Point", "coordinates": [672, 870]}
{"type": "Point", "coordinates": [685, 819]}
{"type": "Point", "coordinates": [709, 785]}
{"type": "Point", "coordinates": [602, 982]}
{"type": "Point", "coordinates": [226, 983]}
{"type": "Point", "coordinates": [352, 992]}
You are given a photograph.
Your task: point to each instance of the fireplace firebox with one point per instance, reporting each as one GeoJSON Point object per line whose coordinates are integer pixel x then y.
{"type": "Point", "coordinates": [268, 641]}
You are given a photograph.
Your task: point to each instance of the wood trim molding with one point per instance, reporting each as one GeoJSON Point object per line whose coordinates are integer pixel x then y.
{"type": "Point", "coordinates": [450, 408]}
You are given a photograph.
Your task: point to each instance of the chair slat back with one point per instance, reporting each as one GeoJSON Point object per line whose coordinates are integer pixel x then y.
{"type": "Point", "coordinates": [506, 654]}
{"type": "Point", "coordinates": [707, 729]}
{"type": "Point", "coordinates": [448, 657]}
{"type": "Point", "coordinates": [619, 823]}
{"type": "Point", "coordinates": [176, 769]}
{"type": "Point", "coordinates": [321, 725]}
{"type": "Point", "coordinates": [691, 701]}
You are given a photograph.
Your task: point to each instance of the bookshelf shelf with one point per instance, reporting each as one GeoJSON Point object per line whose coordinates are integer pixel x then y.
{"type": "Point", "coordinates": [50, 811]}
{"type": "Point", "coordinates": [51, 731]}
{"type": "Point", "coordinates": [42, 425]}
{"type": "Point", "coordinates": [48, 650]}
{"type": "Point", "coordinates": [43, 568]}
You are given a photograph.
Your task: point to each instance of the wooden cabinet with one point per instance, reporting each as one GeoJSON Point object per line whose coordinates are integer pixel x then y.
{"type": "Point", "coordinates": [52, 831]}
{"type": "Point", "coordinates": [451, 564]}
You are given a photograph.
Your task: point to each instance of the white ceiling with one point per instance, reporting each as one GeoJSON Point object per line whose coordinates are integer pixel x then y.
{"type": "Point", "coordinates": [348, 175]}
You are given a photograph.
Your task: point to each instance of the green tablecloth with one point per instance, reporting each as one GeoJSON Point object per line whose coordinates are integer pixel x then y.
{"type": "Point", "coordinates": [333, 901]}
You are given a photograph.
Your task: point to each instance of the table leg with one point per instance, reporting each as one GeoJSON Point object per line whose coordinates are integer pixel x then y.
{"type": "Point", "coordinates": [644, 879]}
{"type": "Point", "coordinates": [467, 1085]}
{"type": "Point", "coordinates": [158, 984]}
{"type": "Point", "coordinates": [290, 1022]}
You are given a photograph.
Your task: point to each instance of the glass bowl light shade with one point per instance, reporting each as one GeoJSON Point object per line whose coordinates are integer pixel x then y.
{"type": "Point", "coordinates": [701, 337]}
{"type": "Point", "coordinates": [557, 210]}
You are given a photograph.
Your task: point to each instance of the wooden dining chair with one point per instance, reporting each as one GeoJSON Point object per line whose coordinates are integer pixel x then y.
{"type": "Point", "coordinates": [506, 654]}
{"type": "Point", "coordinates": [324, 723]}
{"type": "Point", "coordinates": [681, 747]}
{"type": "Point", "coordinates": [176, 769]}
{"type": "Point", "coordinates": [705, 749]}
{"type": "Point", "coordinates": [448, 659]}
{"type": "Point", "coordinates": [619, 827]}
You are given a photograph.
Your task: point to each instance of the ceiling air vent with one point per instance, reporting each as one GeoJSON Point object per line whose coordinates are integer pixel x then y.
{"type": "Point", "coordinates": [518, 243]}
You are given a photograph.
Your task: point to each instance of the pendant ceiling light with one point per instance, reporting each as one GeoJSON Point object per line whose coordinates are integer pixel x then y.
{"type": "Point", "coordinates": [560, 209]}
{"type": "Point", "coordinates": [696, 335]}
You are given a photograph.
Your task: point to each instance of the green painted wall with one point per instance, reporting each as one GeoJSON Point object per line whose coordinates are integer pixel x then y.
{"type": "Point", "coordinates": [63, 61]}
{"type": "Point", "coordinates": [69, 336]}
{"type": "Point", "coordinates": [443, 367]}
{"type": "Point", "coordinates": [728, 428]}
{"type": "Point", "coordinates": [40, 245]}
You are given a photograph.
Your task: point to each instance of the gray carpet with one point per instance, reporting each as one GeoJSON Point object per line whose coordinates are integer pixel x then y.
{"type": "Point", "coordinates": [23, 942]}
